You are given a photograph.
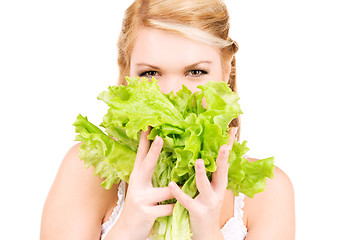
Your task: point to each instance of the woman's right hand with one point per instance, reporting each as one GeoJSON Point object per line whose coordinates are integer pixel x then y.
{"type": "Point", "coordinates": [141, 209]}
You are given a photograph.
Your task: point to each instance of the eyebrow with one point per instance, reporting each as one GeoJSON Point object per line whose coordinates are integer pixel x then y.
{"type": "Point", "coordinates": [187, 67]}
{"type": "Point", "coordinates": [198, 63]}
{"type": "Point", "coordinates": [148, 65]}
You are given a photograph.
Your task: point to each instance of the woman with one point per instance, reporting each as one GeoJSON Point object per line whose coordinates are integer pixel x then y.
{"type": "Point", "coordinates": [179, 43]}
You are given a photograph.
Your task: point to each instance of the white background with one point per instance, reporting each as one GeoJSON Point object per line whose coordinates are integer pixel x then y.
{"type": "Point", "coordinates": [299, 76]}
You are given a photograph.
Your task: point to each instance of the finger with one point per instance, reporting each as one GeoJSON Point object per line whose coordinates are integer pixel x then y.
{"type": "Point", "coordinates": [149, 163]}
{"type": "Point", "coordinates": [162, 210]}
{"type": "Point", "coordinates": [219, 177]}
{"type": "Point", "coordinates": [143, 147]}
{"type": "Point", "coordinates": [202, 182]}
{"type": "Point", "coordinates": [232, 133]}
{"type": "Point", "coordinates": [161, 194]}
{"type": "Point", "coordinates": [184, 199]}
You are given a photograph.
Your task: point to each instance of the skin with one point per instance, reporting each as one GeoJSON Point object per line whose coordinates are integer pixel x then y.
{"type": "Point", "coordinates": [175, 60]}
{"type": "Point", "coordinates": [77, 205]}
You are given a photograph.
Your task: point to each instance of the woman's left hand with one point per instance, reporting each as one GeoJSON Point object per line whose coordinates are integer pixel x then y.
{"type": "Point", "coordinates": [205, 209]}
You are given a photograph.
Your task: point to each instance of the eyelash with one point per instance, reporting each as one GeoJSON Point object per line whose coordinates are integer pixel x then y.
{"type": "Point", "coordinates": [201, 72]}
{"type": "Point", "coordinates": [143, 74]}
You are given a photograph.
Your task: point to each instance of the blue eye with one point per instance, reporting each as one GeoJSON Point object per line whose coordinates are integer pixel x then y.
{"type": "Point", "coordinates": [197, 72]}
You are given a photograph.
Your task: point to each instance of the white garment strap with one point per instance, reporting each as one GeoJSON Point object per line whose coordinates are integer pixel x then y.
{"type": "Point", "coordinates": [106, 227]}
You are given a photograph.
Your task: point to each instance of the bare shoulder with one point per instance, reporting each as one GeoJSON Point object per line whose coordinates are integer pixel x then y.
{"type": "Point", "coordinates": [76, 203]}
{"type": "Point", "coordinates": [272, 212]}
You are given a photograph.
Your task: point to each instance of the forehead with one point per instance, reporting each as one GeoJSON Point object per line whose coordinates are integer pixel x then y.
{"type": "Point", "coordinates": [162, 47]}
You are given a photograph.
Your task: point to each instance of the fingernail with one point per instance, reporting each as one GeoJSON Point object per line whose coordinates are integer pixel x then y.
{"type": "Point", "coordinates": [200, 163]}
{"type": "Point", "coordinates": [226, 149]}
{"type": "Point", "coordinates": [236, 130]}
{"type": "Point", "coordinates": [158, 140]}
{"type": "Point", "coordinates": [172, 184]}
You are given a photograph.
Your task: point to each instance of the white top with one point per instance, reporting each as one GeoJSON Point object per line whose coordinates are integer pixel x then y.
{"type": "Point", "coordinates": [234, 228]}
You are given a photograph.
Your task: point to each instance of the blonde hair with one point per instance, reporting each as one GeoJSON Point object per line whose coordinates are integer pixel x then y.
{"type": "Point", "coordinates": [206, 21]}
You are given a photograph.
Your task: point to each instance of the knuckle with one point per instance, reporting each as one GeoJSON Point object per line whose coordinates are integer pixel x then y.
{"type": "Point", "coordinates": [214, 202]}
{"type": "Point", "coordinates": [154, 150]}
{"type": "Point", "coordinates": [201, 176]}
{"type": "Point", "coordinates": [201, 211]}
{"type": "Point", "coordinates": [202, 181]}
{"type": "Point", "coordinates": [144, 211]}
{"type": "Point", "coordinates": [188, 201]}
{"type": "Point", "coordinates": [133, 177]}
{"type": "Point", "coordinates": [134, 172]}
{"type": "Point", "coordinates": [139, 201]}
{"type": "Point", "coordinates": [151, 157]}
{"type": "Point", "coordinates": [164, 193]}
{"type": "Point", "coordinates": [175, 192]}
{"type": "Point", "coordinates": [218, 201]}
{"type": "Point", "coordinates": [200, 171]}
{"type": "Point", "coordinates": [165, 210]}
{"type": "Point", "coordinates": [140, 152]}
{"type": "Point", "coordinates": [213, 205]}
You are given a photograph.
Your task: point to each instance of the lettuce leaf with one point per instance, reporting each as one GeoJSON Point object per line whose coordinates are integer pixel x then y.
{"type": "Point", "coordinates": [189, 130]}
{"type": "Point", "coordinates": [103, 153]}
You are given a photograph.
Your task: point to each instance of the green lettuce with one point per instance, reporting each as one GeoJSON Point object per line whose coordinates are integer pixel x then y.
{"type": "Point", "coordinates": [189, 131]}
